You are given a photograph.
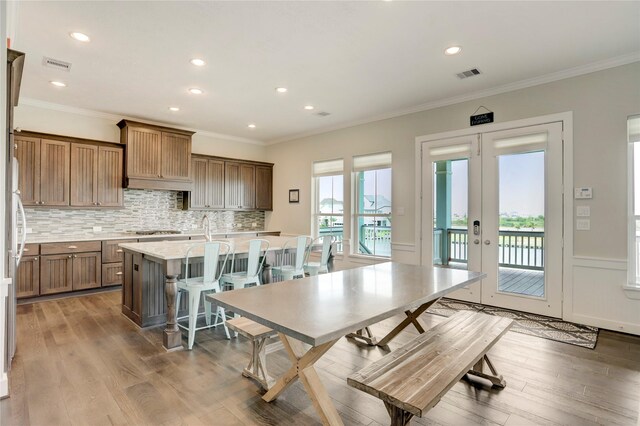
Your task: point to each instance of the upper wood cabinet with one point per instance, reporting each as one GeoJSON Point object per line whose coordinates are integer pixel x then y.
{"type": "Point", "coordinates": [264, 187]}
{"type": "Point", "coordinates": [224, 183]}
{"type": "Point", "coordinates": [157, 157]}
{"type": "Point", "coordinates": [58, 171]}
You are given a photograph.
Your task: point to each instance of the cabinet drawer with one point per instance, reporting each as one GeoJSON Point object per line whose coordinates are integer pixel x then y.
{"type": "Point", "coordinates": [112, 274]}
{"type": "Point", "coordinates": [70, 247]}
{"type": "Point", "coordinates": [111, 252]}
{"type": "Point", "coordinates": [31, 249]}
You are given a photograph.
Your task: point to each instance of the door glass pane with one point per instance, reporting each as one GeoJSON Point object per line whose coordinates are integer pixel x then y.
{"type": "Point", "coordinates": [450, 213]}
{"type": "Point", "coordinates": [521, 224]}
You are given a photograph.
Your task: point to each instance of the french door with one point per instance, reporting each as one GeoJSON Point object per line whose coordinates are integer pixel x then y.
{"type": "Point", "coordinates": [492, 202]}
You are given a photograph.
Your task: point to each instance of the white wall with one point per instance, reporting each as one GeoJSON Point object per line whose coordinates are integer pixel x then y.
{"type": "Point", "coordinates": [60, 120]}
{"type": "Point", "coordinates": [4, 384]}
{"type": "Point", "coordinates": [600, 102]}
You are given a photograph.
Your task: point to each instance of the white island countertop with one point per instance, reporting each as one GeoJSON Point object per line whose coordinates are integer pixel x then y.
{"type": "Point", "coordinates": [105, 236]}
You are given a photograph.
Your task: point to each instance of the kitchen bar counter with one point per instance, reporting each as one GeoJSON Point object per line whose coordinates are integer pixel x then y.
{"type": "Point", "coordinates": [109, 236]}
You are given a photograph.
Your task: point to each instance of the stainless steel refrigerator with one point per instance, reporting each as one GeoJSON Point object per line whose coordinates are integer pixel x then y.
{"type": "Point", "coordinates": [14, 212]}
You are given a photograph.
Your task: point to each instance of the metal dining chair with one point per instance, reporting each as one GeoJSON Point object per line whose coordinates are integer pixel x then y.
{"type": "Point", "coordinates": [255, 262]}
{"type": "Point", "coordinates": [322, 267]}
{"type": "Point", "coordinates": [209, 282]}
{"type": "Point", "coordinates": [295, 270]}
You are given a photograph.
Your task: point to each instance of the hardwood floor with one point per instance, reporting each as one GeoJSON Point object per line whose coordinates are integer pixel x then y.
{"type": "Point", "coordinates": [79, 361]}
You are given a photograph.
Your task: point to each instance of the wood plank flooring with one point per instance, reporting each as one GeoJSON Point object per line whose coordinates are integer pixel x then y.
{"type": "Point", "coordinates": [80, 362]}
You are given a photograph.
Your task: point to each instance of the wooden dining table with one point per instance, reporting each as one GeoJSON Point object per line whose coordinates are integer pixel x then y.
{"type": "Point", "coordinates": [311, 314]}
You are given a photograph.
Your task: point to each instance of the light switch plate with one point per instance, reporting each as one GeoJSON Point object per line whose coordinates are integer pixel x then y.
{"type": "Point", "coordinates": [583, 224]}
{"type": "Point", "coordinates": [583, 211]}
{"type": "Point", "coordinates": [97, 229]}
{"type": "Point", "coordinates": [254, 225]}
{"type": "Point", "coordinates": [583, 193]}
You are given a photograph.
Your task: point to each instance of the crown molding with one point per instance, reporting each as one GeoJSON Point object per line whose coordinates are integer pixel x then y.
{"type": "Point", "coordinates": [523, 84]}
{"type": "Point", "coordinates": [115, 118]}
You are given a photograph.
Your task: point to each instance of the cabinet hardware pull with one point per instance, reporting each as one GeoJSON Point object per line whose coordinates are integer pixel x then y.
{"type": "Point", "coordinates": [72, 247]}
{"type": "Point", "coordinates": [118, 273]}
{"type": "Point", "coordinates": [35, 259]}
{"type": "Point", "coordinates": [75, 255]}
{"type": "Point", "coordinates": [25, 250]}
{"type": "Point", "coordinates": [69, 256]}
{"type": "Point", "coordinates": [99, 204]}
{"type": "Point", "coordinates": [119, 251]}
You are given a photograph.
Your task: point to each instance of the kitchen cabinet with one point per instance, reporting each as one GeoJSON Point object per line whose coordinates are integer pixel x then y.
{"type": "Point", "coordinates": [264, 188]}
{"type": "Point", "coordinates": [56, 171]}
{"type": "Point", "coordinates": [157, 157]}
{"type": "Point", "coordinates": [96, 176]}
{"type": "Point", "coordinates": [239, 185]}
{"type": "Point", "coordinates": [112, 262]}
{"type": "Point", "coordinates": [28, 273]}
{"type": "Point", "coordinates": [44, 167]}
{"type": "Point", "coordinates": [70, 266]}
{"type": "Point", "coordinates": [208, 184]}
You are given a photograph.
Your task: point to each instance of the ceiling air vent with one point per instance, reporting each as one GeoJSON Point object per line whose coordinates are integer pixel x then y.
{"type": "Point", "coordinates": [467, 74]}
{"type": "Point", "coordinates": [56, 63]}
{"type": "Point", "coordinates": [322, 113]}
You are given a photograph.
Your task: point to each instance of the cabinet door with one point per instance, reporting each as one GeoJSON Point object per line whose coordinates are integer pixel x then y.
{"type": "Point", "coordinates": [215, 184]}
{"type": "Point", "coordinates": [55, 273]}
{"type": "Point", "coordinates": [27, 153]}
{"type": "Point", "coordinates": [28, 277]}
{"type": "Point", "coordinates": [264, 188]}
{"type": "Point", "coordinates": [111, 252]}
{"type": "Point", "coordinates": [112, 274]}
{"type": "Point", "coordinates": [143, 153]}
{"type": "Point", "coordinates": [248, 184]}
{"type": "Point", "coordinates": [176, 156]}
{"type": "Point", "coordinates": [87, 270]}
{"type": "Point", "coordinates": [54, 172]}
{"type": "Point", "coordinates": [232, 185]}
{"type": "Point", "coordinates": [198, 196]}
{"type": "Point", "coordinates": [110, 192]}
{"type": "Point", "coordinates": [84, 175]}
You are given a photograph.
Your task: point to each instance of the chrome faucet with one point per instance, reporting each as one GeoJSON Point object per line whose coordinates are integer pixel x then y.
{"type": "Point", "coordinates": [206, 224]}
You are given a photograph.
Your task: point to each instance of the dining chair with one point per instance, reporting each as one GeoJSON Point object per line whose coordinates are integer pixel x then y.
{"type": "Point", "coordinates": [322, 267]}
{"type": "Point", "coordinates": [289, 272]}
{"type": "Point", "coordinates": [215, 258]}
{"type": "Point", "coordinates": [255, 262]}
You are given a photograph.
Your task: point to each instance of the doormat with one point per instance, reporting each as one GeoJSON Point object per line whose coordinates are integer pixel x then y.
{"type": "Point", "coordinates": [532, 324]}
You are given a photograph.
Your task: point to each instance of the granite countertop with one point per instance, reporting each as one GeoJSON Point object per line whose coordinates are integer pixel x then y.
{"type": "Point", "coordinates": [102, 236]}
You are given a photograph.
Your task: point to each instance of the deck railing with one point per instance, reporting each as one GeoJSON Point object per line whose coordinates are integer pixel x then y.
{"type": "Point", "coordinates": [521, 249]}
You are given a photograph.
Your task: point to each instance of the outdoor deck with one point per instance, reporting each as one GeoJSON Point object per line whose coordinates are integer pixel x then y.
{"type": "Point", "coordinates": [521, 281]}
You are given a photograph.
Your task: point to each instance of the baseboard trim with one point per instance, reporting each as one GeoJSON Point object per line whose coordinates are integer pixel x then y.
{"type": "Point", "coordinates": [623, 327]}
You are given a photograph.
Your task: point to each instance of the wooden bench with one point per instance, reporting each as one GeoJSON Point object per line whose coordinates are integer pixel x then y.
{"type": "Point", "coordinates": [258, 334]}
{"type": "Point", "coordinates": [412, 379]}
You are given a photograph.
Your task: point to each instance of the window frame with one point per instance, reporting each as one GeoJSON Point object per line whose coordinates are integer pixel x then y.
{"type": "Point", "coordinates": [356, 214]}
{"type": "Point", "coordinates": [315, 208]}
{"type": "Point", "coordinates": [633, 239]}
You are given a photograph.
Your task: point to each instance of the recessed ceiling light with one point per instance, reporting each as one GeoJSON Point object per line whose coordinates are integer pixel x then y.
{"type": "Point", "coordinates": [174, 109]}
{"type": "Point", "coordinates": [281, 89]}
{"type": "Point", "coordinates": [197, 62]}
{"type": "Point", "coordinates": [80, 37]}
{"type": "Point", "coordinates": [453, 50]}
{"type": "Point", "coordinates": [251, 126]}
{"type": "Point", "coordinates": [58, 83]}
{"type": "Point", "coordinates": [309, 107]}
{"type": "Point", "coordinates": [195, 91]}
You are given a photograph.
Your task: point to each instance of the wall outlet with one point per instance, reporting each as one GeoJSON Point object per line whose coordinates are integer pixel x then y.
{"type": "Point", "coordinates": [583, 211]}
{"type": "Point", "coordinates": [583, 224]}
{"type": "Point", "coordinates": [28, 230]}
{"type": "Point", "coordinates": [254, 225]}
{"type": "Point", "coordinates": [97, 229]}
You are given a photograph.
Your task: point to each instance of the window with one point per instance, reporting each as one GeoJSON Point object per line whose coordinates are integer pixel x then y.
{"type": "Point", "coordinates": [372, 189]}
{"type": "Point", "coordinates": [328, 210]}
{"type": "Point", "coordinates": [633, 126]}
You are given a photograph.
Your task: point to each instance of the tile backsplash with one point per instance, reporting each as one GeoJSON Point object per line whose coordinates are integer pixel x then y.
{"type": "Point", "coordinates": [143, 210]}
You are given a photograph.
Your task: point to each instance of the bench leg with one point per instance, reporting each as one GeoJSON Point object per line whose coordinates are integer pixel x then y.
{"type": "Point", "coordinates": [399, 417]}
{"type": "Point", "coordinates": [412, 318]}
{"type": "Point", "coordinates": [369, 338]}
{"type": "Point", "coordinates": [257, 368]}
{"type": "Point", "coordinates": [478, 370]}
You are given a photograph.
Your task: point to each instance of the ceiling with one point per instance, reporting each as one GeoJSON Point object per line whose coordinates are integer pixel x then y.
{"type": "Point", "coordinates": [356, 60]}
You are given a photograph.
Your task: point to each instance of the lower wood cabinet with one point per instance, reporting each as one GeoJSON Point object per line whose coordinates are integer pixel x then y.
{"type": "Point", "coordinates": [28, 277]}
{"type": "Point", "coordinates": [112, 274]}
{"type": "Point", "coordinates": [55, 274]}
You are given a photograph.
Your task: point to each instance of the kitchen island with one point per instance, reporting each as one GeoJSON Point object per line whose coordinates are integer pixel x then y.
{"type": "Point", "coordinates": [151, 270]}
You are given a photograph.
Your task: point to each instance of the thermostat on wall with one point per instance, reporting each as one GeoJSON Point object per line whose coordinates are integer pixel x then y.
{"type": "Point", "coordinates": [583, 193]}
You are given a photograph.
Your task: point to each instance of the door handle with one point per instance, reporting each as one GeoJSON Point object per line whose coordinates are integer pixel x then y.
{"type": "Point", "coordinates": [487, 242]}
{"type": "Point", "coordinates": [476, 241]}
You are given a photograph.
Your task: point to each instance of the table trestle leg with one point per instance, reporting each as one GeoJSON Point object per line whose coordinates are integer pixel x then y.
{"type": "Point", "coordinates": [365, 335]}
{"type": "Point", "coordinates": [399, 417]}
{"type": "Point", "coordinates": [257, 368]}
{"type": "Point", "coordinates": [412, 318]}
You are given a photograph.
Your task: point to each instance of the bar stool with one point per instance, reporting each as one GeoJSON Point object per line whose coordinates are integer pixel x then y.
{"type": "Point", "coordinates": [289, 272]}
{"type": "Point", "coordinates": [209, 282]}
{"type": "Point", "coordinates": [322, 267]}
{"type": "Point", "coordinates": [255, 262]}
